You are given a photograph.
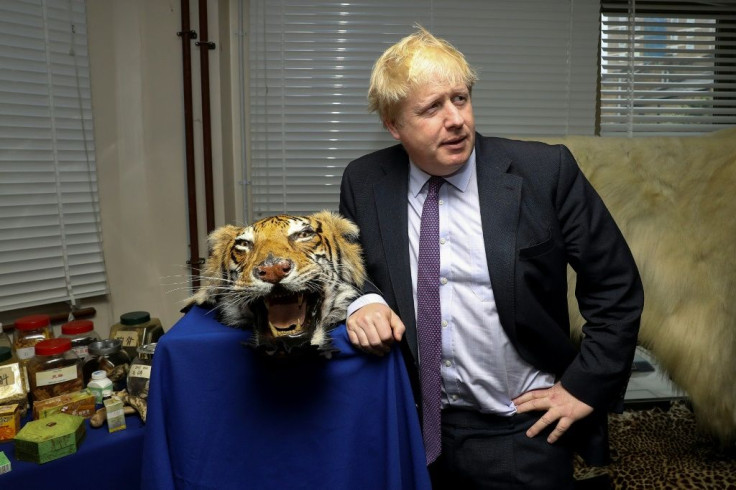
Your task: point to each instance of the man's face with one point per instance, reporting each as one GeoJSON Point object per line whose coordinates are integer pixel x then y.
{"type": "Point", "coordinates": [436, 126]}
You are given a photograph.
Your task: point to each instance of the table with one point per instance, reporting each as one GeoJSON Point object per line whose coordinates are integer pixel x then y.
{"type": "Point", "coordinates": [221, 415]}
{"type": "Point", "coordinates": [104, 460]}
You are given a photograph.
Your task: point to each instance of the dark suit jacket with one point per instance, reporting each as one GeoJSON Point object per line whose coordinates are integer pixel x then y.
{"type": "Point", "coordinates": [539, 214]}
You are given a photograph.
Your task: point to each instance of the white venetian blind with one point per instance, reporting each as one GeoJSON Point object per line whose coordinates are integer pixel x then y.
{"type": "Point", "coordinates": [667, 67]}
{"type": "Point", "coordinates": [50, 246]}
{"type": "Point", "coordinates": [310, 62]}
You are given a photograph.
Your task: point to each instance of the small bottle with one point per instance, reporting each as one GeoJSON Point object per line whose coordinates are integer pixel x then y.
{"type": "Point", "coordinates": [100, 386]}
{"type": "Point", "coordinates": [81, 333]}
{"type": "Point", "coordinates": [54, 370]}
{"type": "Point", "coordinates": [136, 328]}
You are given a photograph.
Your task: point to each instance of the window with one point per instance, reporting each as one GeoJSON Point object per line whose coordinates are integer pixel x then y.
{"type": "Point", "coordinates": [50, 246]}
{"type": "Point", "coordinates": [667, 67]}
{"type": "Point", "coordinates": [310, 62]}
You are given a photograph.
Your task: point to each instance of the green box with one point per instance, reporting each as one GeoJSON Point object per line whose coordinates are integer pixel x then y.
{"type": "Point", "coordinates": [4, 463]}
{"type": "Point", "coordinates": [50, 438]}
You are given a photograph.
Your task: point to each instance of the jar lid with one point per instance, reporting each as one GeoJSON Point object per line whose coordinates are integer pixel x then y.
{"type": "Point", "coordinates": [147, 349]}
{"type": "Point", "coordinates": [104, 347]}
{"type": "Point", "coordinates": [135, 317]}
{"type": "Point", "coordinates": [50, 347]}
{"type": "Point", "coordinates": [5, 354]}
{"type": "Point", "coordinates": [101, 374]}
{"type": "Point", "coordinates": [77, 326]}
{"type": "Point", "coordinates": [32, 322]}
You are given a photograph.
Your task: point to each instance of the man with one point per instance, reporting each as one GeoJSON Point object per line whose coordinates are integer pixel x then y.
{"type": "Point", "coordinates": [517, 396]}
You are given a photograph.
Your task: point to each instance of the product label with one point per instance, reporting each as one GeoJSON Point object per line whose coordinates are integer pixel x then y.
{"type": "Point", "coordinates": [140, 371]}
{"type": "Point", "coordinates": [54, 376]}
{"type": "Point", "coordinates": [7, 375]}
{"type": "Point", "coordinates": [25, 352]}
{"type": "Point", "coordinates": [81, 351]}
{"type": "Point", "coordinates": [129, 339]}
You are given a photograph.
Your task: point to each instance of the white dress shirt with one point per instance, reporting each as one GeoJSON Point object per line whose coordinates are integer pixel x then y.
{"type": "Point", "coordinates": [481, 370]}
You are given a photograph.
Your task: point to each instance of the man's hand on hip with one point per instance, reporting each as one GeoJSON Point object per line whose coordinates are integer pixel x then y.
{"type": "Point", "coordinates": [560, 406]}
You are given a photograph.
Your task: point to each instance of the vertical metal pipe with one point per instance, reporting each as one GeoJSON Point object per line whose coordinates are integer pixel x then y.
{"type": "Point", "coordinates": [204, 65]}
{"type": "Point", "coordinates": [186, 35]}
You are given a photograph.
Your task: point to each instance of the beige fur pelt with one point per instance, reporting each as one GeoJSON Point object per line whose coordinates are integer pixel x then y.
{"type": "Point", "coordinates": [674, 199]}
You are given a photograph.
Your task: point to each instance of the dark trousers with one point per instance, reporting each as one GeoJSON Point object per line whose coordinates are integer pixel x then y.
{"type": "Point", "coordinates": [484, 451]}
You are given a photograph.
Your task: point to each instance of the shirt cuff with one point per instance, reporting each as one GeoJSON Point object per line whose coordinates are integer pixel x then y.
{"type": "Point", "coordinates": [366, 299]}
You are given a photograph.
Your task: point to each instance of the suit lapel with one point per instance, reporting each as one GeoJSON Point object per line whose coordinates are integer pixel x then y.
{"type": "Point", "coordinates": [500, 199]}
{"type": "Point", "coordinates": [390, 198]}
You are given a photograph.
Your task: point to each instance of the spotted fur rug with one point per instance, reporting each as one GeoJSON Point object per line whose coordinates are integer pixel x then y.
{"type": "Point", "coordinates": [661, 449]}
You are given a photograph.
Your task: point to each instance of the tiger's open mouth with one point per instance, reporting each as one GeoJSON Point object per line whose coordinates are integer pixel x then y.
{"type": "Point", "coordinates": [287, 313]}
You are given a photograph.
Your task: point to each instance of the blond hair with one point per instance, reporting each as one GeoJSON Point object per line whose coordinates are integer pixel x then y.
{"type": "Point", "coordinates": [416, 60]}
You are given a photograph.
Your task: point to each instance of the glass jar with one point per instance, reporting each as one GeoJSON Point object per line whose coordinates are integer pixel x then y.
{"type": "Point", "coordinates": [136, 328]}
{"type": "Point", "coordinates": [12, 382]}
{"type": "Point", "coordinates": [54, 370]}
{"type": "Point", "coordinates": [140, 371]}
{"type": "Point", "coordinates": [81, 333]}
{"type": "Point", "coordinates": [29, 331]}
{"type": "Point", "coordinates": [107, 355]}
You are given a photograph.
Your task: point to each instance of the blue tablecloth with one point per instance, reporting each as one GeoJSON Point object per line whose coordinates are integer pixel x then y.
{"type": "Point", "coordinates": [221, 416]}
{"type": "Point", "coordinates": [104, 460]}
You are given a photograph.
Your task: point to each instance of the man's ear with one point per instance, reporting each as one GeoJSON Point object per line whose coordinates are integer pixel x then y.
{"type": "Point", "coordinates": [392, 127]}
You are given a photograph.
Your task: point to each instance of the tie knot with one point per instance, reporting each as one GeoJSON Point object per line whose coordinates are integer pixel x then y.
{"type": "Point", "coordinates": [434, 184]}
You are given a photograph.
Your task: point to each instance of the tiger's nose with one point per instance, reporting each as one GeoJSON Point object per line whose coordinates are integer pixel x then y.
{"type": "Point", "coordinates": [273, 270]}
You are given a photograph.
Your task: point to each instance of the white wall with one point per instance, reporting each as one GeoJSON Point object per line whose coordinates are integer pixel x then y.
{"type": "Point", "coordinates": [137, 96]}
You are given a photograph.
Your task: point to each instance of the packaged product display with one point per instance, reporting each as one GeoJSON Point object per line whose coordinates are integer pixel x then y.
{"type": "Point", "coordinates": [9, 421]}
{"type": "Point", "coordinates": [5, 466]}
{"type": "Point", "coordinates": [136, 328]}
{"type": "Point", "coordinates": [100, 386]}
{"type": "Point", "coordinates": [107, 355]}
{"type": "Point", "coordinates": [140, 371]}
{"type": "Point", "coordinates": [29, 331]}
{"type": "Point", "coordinates": [79, 403]}
{"type": "Point", "coordinates": [12, 384]}
{"type": "Point", "coordinates": [115, 414]}
{"type": "Point", "coordinates": [50, 438]}
{"type": "Point", "coordinates": [81, 333]}
{"type": "Point", "coordinates": [54, 370]}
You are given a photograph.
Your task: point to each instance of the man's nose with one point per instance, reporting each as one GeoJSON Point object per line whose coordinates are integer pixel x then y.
{"type": "Point", "coordinates": [453, 116]}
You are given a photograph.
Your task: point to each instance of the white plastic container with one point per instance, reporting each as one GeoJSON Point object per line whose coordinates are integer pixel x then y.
{"type": "Point", "coordinates": [100, 386]}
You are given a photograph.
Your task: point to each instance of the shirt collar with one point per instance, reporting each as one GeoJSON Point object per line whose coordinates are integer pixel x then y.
{"type": "Point", "coordinates": [459, 180]}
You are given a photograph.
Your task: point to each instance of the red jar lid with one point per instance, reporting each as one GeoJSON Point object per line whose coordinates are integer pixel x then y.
{"type": "Point", "coordinates": [50, 347]}
{"type": "Point", "coordinates": [77, 326]}
{"type": "Point", "coordinates": [32, 322]}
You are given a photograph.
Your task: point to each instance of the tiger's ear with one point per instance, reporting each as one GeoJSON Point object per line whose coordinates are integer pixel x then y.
{"type": "Point", "coordinates": [340, 224]}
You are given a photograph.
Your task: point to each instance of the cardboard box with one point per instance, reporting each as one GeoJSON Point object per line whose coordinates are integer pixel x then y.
{"type": "Point", "coordinates": [81, 403]}
{"type": "Point", "coordinates": [50, 438]}
{"type": "Point", "coordinates": [9, 421]}
{"type": "Point", "coordinates": [4, 463]}
{"type": "Point", "coordinates": [115, 414]}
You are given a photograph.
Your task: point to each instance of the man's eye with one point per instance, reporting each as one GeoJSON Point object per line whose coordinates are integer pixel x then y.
{"type": "Point", "coordinates": [459, 99]}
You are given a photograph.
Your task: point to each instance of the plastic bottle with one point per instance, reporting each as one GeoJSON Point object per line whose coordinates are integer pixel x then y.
{"type": "Point", "coordinates": [54, 370]}
{"type": "Point", "coordinates": [100, 386]}
{"type": "Point", "coordinates": [81, 333]}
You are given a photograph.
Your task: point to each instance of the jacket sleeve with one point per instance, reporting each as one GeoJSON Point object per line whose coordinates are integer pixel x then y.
{"type": "Point", "coordinates": [609, 291]}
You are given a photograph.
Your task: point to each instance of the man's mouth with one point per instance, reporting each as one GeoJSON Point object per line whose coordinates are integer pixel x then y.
{"type": "Point", "coordinates": [286, 313]}
{"type": "Point", "coordinates": [455, 142]}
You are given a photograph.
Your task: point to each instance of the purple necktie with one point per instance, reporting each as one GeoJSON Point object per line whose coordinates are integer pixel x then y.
{"type": "Point", "coordinates": [429, 317]}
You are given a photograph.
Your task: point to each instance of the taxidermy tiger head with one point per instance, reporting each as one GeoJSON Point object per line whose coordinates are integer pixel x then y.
{"type": "Point", "coordinates": [288, 278]}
